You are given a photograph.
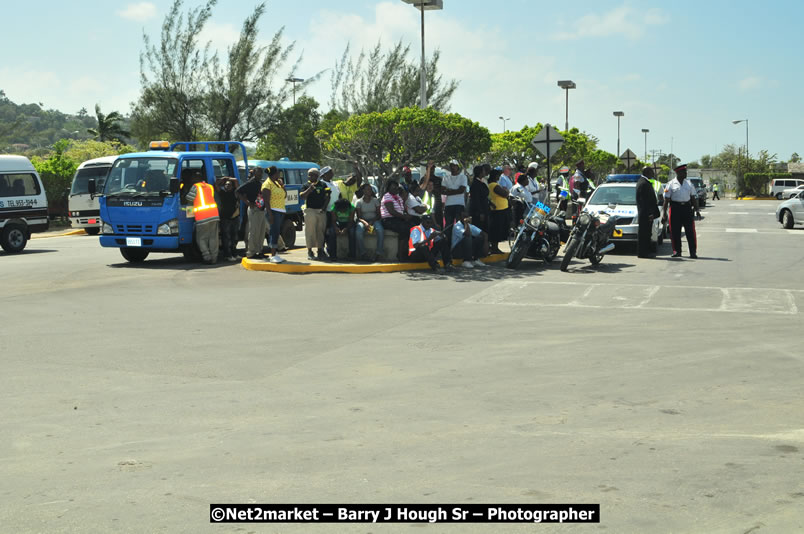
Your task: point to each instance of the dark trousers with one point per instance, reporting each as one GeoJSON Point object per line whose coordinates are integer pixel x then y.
{"type": "Point", "coordinates": [229, 236]}
{"type": "Point", "coordinates": [681, 217]}
{"type": "Point", "coordinates": [451, 214]}
{"type": "Point", "coordinates": [468, 248]}
{"type": "Point", "coordinates": [401, 227]}
{"type": "Point", "coordinates": [440, 248]}
{"type": "Point", "coordinates": [715, 195]}
{"type": "Point", "coordinates": [644, 235]}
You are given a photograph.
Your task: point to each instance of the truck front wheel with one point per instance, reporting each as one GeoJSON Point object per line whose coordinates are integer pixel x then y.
{"type": "Point", "coordinates": [134, 255]}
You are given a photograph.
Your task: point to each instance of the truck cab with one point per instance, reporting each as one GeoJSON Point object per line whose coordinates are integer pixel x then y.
{"type": "Point", "coordinates": [143, 207]}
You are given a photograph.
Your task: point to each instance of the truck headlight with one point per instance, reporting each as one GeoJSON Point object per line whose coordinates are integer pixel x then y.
{"type": "Point", "coordinates": [169, 228]}
{"type": "Point", "coordinates": [107, 228]}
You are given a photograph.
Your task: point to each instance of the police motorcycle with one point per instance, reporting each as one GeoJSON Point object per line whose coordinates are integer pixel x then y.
{"type": "Point", "coordinates": [590, 236]}
{"type": "Point", "coordinates": [539, 236]}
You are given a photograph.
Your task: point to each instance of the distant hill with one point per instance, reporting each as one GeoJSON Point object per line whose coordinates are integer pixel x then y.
{"type": "Point", "coordinates": [30, 129]}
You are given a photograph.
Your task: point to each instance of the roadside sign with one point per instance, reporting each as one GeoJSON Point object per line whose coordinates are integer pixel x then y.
{"type": "Point", "coordinates": [548, 141]}
{"type": "Point", "coordinates": [628, 157]}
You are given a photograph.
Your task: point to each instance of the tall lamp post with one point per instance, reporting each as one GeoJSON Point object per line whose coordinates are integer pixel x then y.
{"type": "Point", "coordinates": [566, 85]}
{"type": "Point", "coordinates": [746, 147]}
{"type": "Point", "coordinates": [504, 119]}
{"type": "Point", "coordinates": [428, 5]}
{"type": "Point", "coordinates": [645, 131]}
{"type": "Point", "coordinates": [618, 114]}
{"type": "Point", "coordinates": [294, 81]}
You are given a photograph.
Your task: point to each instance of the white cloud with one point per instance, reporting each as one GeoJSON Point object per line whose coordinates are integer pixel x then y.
{"type": "Point", "coordinates": [139, 12]}
{"type": "Point", "coordinates": [220, 36]}
{"type": "Point", "coordinates": [750, 83]}
{"type": "Point", "coordinates": [624, 20]}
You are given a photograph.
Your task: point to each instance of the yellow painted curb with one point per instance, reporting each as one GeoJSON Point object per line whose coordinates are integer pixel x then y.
{"type": "Point", "coordinates": [70, 232]}
{"type": "Point", "coordinates": [757, 198]}
{"type": "Point", "coordinates": [297, 268]}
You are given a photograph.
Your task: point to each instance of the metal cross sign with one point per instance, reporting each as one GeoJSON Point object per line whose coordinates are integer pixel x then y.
{"type": "Point", "coordinates": [656, 169]}
{"type": "Point", "coordinates": [628, 157]}
{"type": "Point", "coordinates": [548, 141]}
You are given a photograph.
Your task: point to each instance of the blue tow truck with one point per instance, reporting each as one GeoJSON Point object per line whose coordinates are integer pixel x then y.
{"type": "Point", "coordinates": [143, 208]}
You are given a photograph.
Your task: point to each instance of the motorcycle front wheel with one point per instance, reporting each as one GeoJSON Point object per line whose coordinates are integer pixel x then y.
{"type": "Point", "coordinates": [569, 252]}
{"type": "Point", "coordinates": [596, 258]}
{"type": "Point", "coordinates": [518, 252]}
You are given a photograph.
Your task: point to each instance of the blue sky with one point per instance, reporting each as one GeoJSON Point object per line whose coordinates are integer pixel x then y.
{"type": "Point", "coordinates": [682, 69]}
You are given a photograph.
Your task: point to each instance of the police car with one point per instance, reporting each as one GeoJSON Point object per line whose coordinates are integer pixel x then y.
{"type": "Point", "coordinates": [619, 198]}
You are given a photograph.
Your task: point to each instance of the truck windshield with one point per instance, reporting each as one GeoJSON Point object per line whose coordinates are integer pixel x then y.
{"type": "Point", "coordinates": [138, 176]}
{"type": "Point", "coordinates": [81, 180]}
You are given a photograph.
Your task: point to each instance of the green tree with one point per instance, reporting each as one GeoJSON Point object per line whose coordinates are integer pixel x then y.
{"type": "Point", "coordinates": [57, 174]}
{"type": "Point", "coordinates": [80, 151]}
{"type": "Point", "coordinates": [795, 158]}
{"type": "Point", "coordinates": [377, 143]}
{"type": "Point", "coordinates": [381, 80]}
{"type": "Point", "coordinates": [293, 134]}
{"type": "Point", "coordinates": [240, 101]}
{"type": "Point", "coordinates": [108, 128]}
{"type": "Point", "coordinates": [172, 75]}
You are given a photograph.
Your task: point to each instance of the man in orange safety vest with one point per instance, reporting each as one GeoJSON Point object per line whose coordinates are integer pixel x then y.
{"type": "Point", "coordinates": [205, 211]}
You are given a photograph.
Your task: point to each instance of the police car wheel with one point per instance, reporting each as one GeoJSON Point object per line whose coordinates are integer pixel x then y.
{"type": "Point", "coordinates": [787, 219]}
{"type": "Point", "coordinates": [14, 238]}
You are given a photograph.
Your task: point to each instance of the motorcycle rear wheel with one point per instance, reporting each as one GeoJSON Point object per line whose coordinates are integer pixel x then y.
{"type": "Point", "coordinates": [518, 252]}
{"type": "Point", "coordinates": [569, 252]}
{"type": "Point", "coordinates": [596, 259]}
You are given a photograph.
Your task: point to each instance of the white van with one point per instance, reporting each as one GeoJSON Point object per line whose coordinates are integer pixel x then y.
{"type": "Point", "coordinates": [84, 209]}
{"type": "Point", "coordinates": [23, 203]}
{"type": "Point", "coordinates": [780, 184]}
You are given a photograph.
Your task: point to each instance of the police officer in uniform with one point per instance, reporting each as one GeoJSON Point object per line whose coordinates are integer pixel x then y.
{"type": "Point", "coordinates": [681, 198]}
{"type": "Point", "coordinates": [647, 210]}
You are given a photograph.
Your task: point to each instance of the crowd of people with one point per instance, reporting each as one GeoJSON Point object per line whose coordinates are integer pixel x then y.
{"type": "Point", "coordinates": [440, 217]}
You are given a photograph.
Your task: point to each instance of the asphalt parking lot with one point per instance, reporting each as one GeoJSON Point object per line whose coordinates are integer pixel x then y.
{"type": "Point", "coordinates": [667, 390]}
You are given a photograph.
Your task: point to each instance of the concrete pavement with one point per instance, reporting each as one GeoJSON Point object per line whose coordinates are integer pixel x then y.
{"type": "Point", "coordinates": [666, 390]}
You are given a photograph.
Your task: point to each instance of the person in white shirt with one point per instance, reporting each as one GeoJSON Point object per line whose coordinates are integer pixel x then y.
{"type": "Point", "coordinates": [521, 192]}
{"type": "Point", "coordinates": [469, 243]}
{"type": "Point", "coordinates": [681, 197]}
{"type": "Point", "coordinates": [454, 186]}
{"type": "Point", "coordinates": [533, 181]}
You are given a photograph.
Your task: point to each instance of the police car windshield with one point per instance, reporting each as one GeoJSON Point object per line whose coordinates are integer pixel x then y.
{"type": "Point", "coordinates": [605, 195]}
{"type": "Point", "coordinates": [81, 181]}
{"type": "Point", "coordinates": [138, 176]}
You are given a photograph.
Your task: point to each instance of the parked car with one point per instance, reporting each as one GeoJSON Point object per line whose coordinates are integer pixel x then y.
{"type": "Point", "coordinates": [700, 188]}
{"type": "Point", "coordinates": [790, 193]}
{"type": "Point", "coordinates": [619, 198]}
{"type": "Point", "coordinates": [791, 212]}
{"type": "Point", "coordinates": [779, 185]}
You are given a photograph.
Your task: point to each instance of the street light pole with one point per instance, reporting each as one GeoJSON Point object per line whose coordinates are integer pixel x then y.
{"type": "Point", "coordinates": [645, 131]}
{"type": "Point", "coordinates": [294, 81]}
{"type": "Point", "coordinates": [504, 119]}
{"type": "Point", "coordinates": [424, 5]}
{"type": "Point", "coordinates": [618, 114]}
{"type": "Point", "coordinates": [566, 85]}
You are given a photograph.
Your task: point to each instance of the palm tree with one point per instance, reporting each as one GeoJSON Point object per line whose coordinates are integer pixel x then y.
{"type": "Point", "coordinates": [108, 129]}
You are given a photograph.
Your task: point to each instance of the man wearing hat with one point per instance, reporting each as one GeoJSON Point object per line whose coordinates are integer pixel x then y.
{"type": "Point", "coordinates": [681, 198]}
{"type": "Point", "coordinates": [578, 182]}
{"type": "Point", "coordinates": [533, 181]}
{"type": "Point", "coordinates": [316, 195]}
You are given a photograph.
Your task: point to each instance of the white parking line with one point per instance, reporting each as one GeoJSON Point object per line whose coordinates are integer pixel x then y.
{"type": "Point", "coordinates": [738, 213]}
{"type": "Point", "coordinates": [659, 298]}
{"type": "Point", "coordinates": [742, 230]}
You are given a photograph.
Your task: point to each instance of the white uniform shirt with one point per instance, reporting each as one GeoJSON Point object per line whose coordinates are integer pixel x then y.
{"type": "Point", "coordinates": [676, 191]}
{"type": "Point", "coordinates": [455, 182]}
{"type": "Point", "coordinates": [412, 202]}
{"type": "Point", "coordinates": [533, 186]}
{"type": "Point", "coordinates": [522, 193]}
{"type": "Point", "coordinates": [334, 195]}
